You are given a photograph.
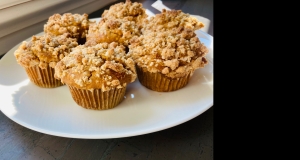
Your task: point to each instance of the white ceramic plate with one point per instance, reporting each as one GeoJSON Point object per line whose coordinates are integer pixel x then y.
{"type": "Point", "coordinates": [53, 111]}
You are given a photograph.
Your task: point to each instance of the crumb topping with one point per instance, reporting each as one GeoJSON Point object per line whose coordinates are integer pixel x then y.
{"type": "Point", "coordinates": [44, 50]}
{"type": "Point", "coordinates": [25, 56]}
{"type": "Point", "coordinates": [112, 30]}
{"type": "Point", "coordinates": [75, 24]}
{"type": "Point", "coordinates": [103, 66]}
{"type": "Point", "coordinates": [165, 43]}
{"type": "Point", "coordinates": [169, 45]}
{"type": "Point", "coordinates": [172, 20]}
{"type": "Point", "coordinates": [169, 54]}
{"type": "Point", "coordinates": [127, 11]}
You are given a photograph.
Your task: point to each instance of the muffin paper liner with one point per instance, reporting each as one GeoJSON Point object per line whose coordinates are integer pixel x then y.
{"type": "Point", "coordinates": [97, 99]}
{"type": "Point", "coordinates": [43, 77]}
{"type": "Point", "coordinates": [159, 82]}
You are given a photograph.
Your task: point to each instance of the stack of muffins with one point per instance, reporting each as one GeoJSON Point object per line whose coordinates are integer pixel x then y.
{"type": "Point", "coordinates": [97, 60]}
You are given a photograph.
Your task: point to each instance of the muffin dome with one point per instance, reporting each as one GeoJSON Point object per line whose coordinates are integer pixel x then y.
{"type": "Point", "coordinates": [103, 66]}
{"type": "Point", "coordinates": [44, 50]}
{"type": "Point", "coordinates": [75, 24]}
{"type": "Point", "coordinates": [127, 11]}
{"type": "Point", "coordinates": [172, 21]}
{"type": "Point", "coordinates": [112, 30]}
{"type": "Point", "coordinates": [168, 54]}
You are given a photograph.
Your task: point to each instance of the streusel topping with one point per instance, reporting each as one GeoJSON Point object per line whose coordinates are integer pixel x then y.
{"type": "Point", "coordinates": [44, 50]}
{"type": "Point", "coordinates": [127, 11]}
{"type": "Point", "coordinates": [108, 30]}
{"type": "Point", "coordinates": [75, 24]}
{"type": "Point", "coordinates": [25, 56]}
{"type": "Point", "coordinates": [103, 66]}
{"type": "Point", "coordinates": [172, 20]}
{"type": "Point", "coordinates": [169, 54]}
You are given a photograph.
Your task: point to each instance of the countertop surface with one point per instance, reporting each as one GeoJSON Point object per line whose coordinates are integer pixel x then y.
{"type": "Point", "coordinates": [191, 140]}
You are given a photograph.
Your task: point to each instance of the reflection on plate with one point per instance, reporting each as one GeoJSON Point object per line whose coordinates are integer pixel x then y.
{"type": "Point", "coordinates": [53, 111]}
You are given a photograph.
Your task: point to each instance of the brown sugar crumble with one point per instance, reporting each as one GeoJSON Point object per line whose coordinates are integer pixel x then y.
{"type": "Point", "coordinates": [112, 30]}
{"type": "Point", "coordinates": [169, 45]}
{"type": "Point", "coordinates": [75, 24]}
{"type": "Point", "coordinates": [44, 50]}
{"type": "Point", "coordinates": [127, 11]}
{"type": "Point", "coordinates": [172, 21]}
{"type": "Point", "coordinates": [120, 23]}
{"type": "Point", "coordinates": [173, 56]}
{"type": "Point", "coordinates": [103, 66]}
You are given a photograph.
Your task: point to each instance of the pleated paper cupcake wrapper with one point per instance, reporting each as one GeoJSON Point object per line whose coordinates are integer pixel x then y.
{"type": "Point", "coordinates": [97, 99]}
{"type": "Point", "coordinates": [159, 82]}
{"type": "Point", "coordinates": [43, 77]}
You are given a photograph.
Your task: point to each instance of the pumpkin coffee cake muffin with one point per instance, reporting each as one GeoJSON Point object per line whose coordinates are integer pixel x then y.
{"type": "Point", "coordinates": [97, 76]}
{"type": "Point", "coordinates": [39, 56]}
{"type": "Point", "coordinates": [168, 52]}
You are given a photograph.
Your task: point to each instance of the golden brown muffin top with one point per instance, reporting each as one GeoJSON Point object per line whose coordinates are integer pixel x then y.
{"type": "Point", "coordinates": [127, 11]}
{"type": "Point", "coordinates": [103, 66]}
{"type": "Point", "coordinates": [107, 30]}
{"type": "Point", "coordinates": [44, 50]}
{"type": "Point", "coordinates": [171, 20]}
{"type": "Point", "coordinates": [169, 54]}
{"type": "Point", "coordinates": [25, 56]}
{"type": "Point", "coordinates": [75, 24]}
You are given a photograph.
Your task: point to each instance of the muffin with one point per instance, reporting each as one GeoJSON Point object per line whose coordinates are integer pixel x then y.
{"type": "Point", "coordinates": [115, 30]}
{"type": "Point", "coordinates": [39, 56]}
{"type": "Point", "coordinates": [97, 76]}
{"type": "Point", "coordinates": [168, 52]}
{"type": "Point", "coordinates": [75, 24]}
